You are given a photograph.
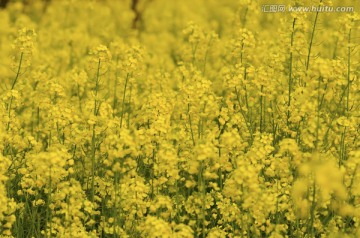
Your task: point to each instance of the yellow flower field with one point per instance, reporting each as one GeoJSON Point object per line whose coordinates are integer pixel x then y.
{"type": "Point", "coordinates": [191, 118]}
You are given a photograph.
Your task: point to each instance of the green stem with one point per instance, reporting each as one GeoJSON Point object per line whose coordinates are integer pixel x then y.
{"type": "Point", "coordinates": [49, 202]}
{"type": "Point", "coordinates": [290, 72]}
{"type": "Point", "coordinates": [190, 123]}
{"type": "Point", "coordinates": [129, 112]}
{"type": "Point", "coordinates": [342, 147]}
{"type": "Point", "coordinates": [115, 206]}
{"type": "Point", "coordinates": [93, 137]}
{"type": "Point", "coordinates": [93, 155]}
{"type": "Point", "coordinates": [201, 183]}
{"type": "Point", "coordinates": [206, 56]}
{"type": "Point", "coordinates": [79, 97]}
{"type": "Point", "coordinates": [18, 71]}
{"type": "Point", "coordinates": [261, 108]}
{"type": "Point", "coordinates": [115, 100]}
{"type": "Point", "coordinates": [123, 99]}
{"type": "Point", "coordinates": [312, 212]}
{"type": "Point", "coordinates": [348, 75]}
{"type": "Point", "coordinates": [318, 114]}
{"type": "Point", "coordinates": [343, 135]}
{"type": "Point", "coordinates": [311, 40]}
{"type": "Point", "coordinates": [12, 87]}
{"type": "Point", "coordinates": [248, 124]}
{"type": "Point", "coordinates": [97, 80]}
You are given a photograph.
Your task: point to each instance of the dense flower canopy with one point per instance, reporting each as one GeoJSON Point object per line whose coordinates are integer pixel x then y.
{"type": "Point", "coordinates": [192, 118]}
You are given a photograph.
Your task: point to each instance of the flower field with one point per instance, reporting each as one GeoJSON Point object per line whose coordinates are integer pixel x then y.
{"type": "Point", "coordinates": [191, 118]}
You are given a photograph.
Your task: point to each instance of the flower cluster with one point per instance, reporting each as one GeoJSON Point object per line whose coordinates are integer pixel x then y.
{"type": "Point", "coordinates": [178, 119]}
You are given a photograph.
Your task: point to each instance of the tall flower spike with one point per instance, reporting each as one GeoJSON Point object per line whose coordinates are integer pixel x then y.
{"type": "Point", "coordinates": [101, 53]}
{"type": "Point", "coordinates": [24, 43]}
{"type": "Point", "coordinates": [24, 47]}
